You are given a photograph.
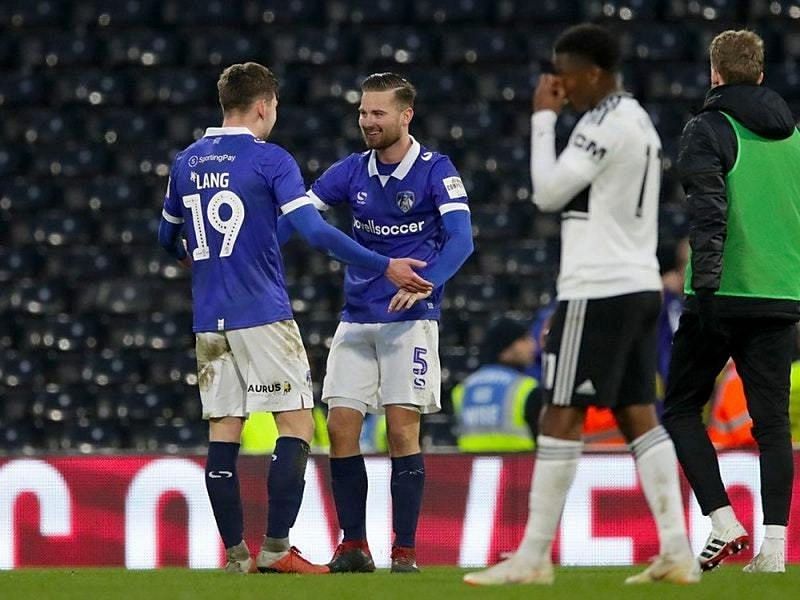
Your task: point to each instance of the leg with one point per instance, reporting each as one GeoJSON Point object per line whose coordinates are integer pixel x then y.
{"type": "Point", "coordinates": [697, 358]}
{"type": "Point", "coordinates": [410, 382]}
{"type": "Point", "coordinates": [763, 356]}
{"type": "Point", "coordinates": [348, 398]}
{"type": "Point", "coordinates": [222, 480]}
{"type": "Point", "coordinates": [348, 472]}
{"type": "Point", "coordinates": [408, 472]}
{"type": "Point", "coordinates": [278, 381]}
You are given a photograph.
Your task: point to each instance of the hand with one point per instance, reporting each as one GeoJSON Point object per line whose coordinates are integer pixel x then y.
{"type": "Point", "coordinates": [706, 311]}
{"type": "Point", "coordinates": [401, 273]}
{"type": "Point", "coordinates": [549, 94]}
{"type": "Point", "coordinates": [186, 261]}
{"type": "Point", "coordinates": [403, 300]}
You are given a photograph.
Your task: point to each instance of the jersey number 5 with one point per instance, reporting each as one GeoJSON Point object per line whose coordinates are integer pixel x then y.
{"type": "Point", "coordinates": [229, 227]}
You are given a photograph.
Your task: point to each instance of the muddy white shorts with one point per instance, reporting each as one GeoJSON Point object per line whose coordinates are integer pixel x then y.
{"type": "Point", "coordinates": [371, 365]}
{"type": "Point", "coordinates": [263, 368]}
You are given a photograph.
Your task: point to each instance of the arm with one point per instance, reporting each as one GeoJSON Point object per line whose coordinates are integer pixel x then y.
{"type": "Point", "coordinates": [555, 182]}
{"type": "Point", "coordinates": [285, 229]}
{"type": "Point", "coordinates": [456, 249]}
{"type": "Point", "coordinates": [171, 225]}
{"type": "Point", "coordinates": [325, 237]}
{"type": "Point", "coordinates": [703, 178]}
{"type": "Point", "coordinates": [169, 237]}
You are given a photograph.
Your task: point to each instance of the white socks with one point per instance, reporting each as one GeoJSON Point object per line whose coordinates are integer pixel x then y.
{"type": "Point", "coordinates": [657, 465]}
{"type": "Point", "coordinates": [553, 474]}
{"type": "Point", "coordinates": [723, 519]}
{"type": "Point", "coordinates": [774, 540]}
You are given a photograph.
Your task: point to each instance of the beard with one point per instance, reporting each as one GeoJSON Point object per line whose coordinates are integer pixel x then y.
{"type": "Point", "coordinates": [382, 140]}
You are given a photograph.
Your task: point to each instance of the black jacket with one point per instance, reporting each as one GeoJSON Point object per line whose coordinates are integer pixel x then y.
{"type": "Point", "coordinates": [707, 152]}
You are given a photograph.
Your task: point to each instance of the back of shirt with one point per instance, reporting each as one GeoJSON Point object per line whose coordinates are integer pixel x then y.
{"type": "Point", "coordinates": [609, 232]}
{"type": "Point", "coordinates": [228, 188]}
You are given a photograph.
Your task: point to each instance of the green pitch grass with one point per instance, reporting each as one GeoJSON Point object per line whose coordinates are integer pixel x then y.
{"type": "Point", "coordinates": [439, 583]}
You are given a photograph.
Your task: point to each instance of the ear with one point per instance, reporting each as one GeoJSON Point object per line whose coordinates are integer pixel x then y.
{"type": "Point", "coordinates": [716, 78]}
{"type": "Point", "coordinates": [760, 78]}
{"type": "Point", "coordinates": [408, 114]}
{"type": "Point", "coordinates": [262, 106]}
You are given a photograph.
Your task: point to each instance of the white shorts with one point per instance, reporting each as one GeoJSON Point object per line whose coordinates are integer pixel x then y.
{"type": "Point", "coordinates": [263, 368]}
{"type": "Point", "coordinates": [371, 365]}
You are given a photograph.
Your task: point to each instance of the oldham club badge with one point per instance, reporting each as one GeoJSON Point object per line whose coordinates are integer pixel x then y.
{"type": "Point", "coordinates": [405, 200]}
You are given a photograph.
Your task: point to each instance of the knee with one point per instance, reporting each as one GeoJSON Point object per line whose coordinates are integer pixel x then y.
{"type": "Point", "coordinates": [403, 442]}
{"type": "Point", "coordinates": [299, 424]}
{"type": "Point", "coordinates": [344, 433]}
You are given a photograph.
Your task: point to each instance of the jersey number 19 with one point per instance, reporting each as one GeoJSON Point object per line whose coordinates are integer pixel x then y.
{"type": "Point", "coordinates": [229, 227]}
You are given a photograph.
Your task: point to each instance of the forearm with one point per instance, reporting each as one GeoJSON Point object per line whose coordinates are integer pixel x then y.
{"type": "Point", "coordinates": [457, 248]}
{"type": "Point", "coordinates": [554, 183]}
{"type": "Point", "coordinates": [708, 222]}
{"type": "Point", "coordinates": [285, 230]}
{"type": "Point", "coordinates": [170, 240]}
{"type": "Point", "coordinates": [324, 237]}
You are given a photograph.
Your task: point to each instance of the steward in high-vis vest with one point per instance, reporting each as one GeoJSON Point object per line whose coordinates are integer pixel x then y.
{"type": "Point", "coordinates": [739, 163]}
{"type": "Point", "coordinates": [496, 407]}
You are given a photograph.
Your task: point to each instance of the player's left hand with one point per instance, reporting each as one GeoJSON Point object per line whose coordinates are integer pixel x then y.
{"type": "Point", "coordinates": [403, 300]}
{"type": "Point", "coordinates": [401, 273]}
{"type": "Point", "coordinates": [549, 94]}
{"type": "Point", "coordinates": [186, 261]}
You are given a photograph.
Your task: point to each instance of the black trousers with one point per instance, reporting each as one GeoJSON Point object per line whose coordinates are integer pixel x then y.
{"type": "Point", "coordinates": [762, 350]}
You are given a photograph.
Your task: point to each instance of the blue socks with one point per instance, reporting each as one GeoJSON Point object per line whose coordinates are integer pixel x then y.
{"type": "Point", "coordinates": [408, 481]}
{"type": "Point", "coordinates": [222, 483]}
{"type": "Point", "coordinates": [349, 483]}
{"type": "Point", "coordinates": [285, 485]}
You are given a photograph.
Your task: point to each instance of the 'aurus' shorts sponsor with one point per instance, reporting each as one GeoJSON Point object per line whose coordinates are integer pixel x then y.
{"type": "Point", "coordinates": [263, 368]}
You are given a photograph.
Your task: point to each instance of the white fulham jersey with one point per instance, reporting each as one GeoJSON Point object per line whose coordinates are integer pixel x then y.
{"type": "Point", "coordinates": [606, 185]}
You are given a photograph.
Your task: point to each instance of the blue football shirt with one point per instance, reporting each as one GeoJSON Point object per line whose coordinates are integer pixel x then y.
{"type": "Point", "coordinates": [398, 214]}
{"type": "Point", "coordinates": [227, 188]}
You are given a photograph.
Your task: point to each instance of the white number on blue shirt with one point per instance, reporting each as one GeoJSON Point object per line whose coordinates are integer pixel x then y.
{"type": "Point", "coordinates": [227, 227]}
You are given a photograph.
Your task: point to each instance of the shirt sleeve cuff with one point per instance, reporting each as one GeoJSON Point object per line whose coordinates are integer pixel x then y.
{"type": "Point", "coordinates": [295, 204]}
{"type": "Point", "coordinates": [542, 119]}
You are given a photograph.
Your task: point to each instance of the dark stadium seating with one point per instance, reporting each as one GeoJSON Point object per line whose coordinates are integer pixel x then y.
{"type": "Point", "coordinates": [97, 96]}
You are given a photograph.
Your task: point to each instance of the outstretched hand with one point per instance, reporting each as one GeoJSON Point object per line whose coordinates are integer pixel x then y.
{"type": "Point", "coordinates": [403, 300]}
{"type": "Point", "coordinates": [401, 273]}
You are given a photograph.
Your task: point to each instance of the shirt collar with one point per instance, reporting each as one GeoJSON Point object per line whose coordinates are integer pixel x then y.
{"type": "Point", "coordinates": [401, 170]}
{"type": "Point", "coordinates": [215, 131]}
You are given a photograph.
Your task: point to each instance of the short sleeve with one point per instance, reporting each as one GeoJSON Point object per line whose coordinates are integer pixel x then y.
{"type": "Point", "coordinates": [333, 185]}
{"type": "Point", "coordinates": [447, 189]}
{"type": "Point", "coordinates": [287, 181]}
{"type": "Point", "coordinates": [591, 147]}
{"type": "Point", "coordinates": [172, 211]}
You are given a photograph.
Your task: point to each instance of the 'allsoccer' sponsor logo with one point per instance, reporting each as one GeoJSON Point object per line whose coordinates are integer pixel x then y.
{"type": "Point", "coordinates": [370, 226]}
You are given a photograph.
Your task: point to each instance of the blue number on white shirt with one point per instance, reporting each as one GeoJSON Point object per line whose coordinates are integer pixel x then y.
{"type": "Point", "coordinates": [228, 227]}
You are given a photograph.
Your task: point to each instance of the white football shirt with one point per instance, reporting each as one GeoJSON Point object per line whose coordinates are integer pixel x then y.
{"type": "Point", "coordinates": [606, 185]}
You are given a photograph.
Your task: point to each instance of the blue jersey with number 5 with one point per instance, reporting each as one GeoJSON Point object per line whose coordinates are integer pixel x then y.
{"type": "Point", "coordinates": [227, 189]}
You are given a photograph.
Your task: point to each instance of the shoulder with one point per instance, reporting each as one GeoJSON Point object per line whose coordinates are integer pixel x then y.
{"type": "Point", "coordinates": [348, 164]}
{"type": "Point", "coordinates": [269, 153]}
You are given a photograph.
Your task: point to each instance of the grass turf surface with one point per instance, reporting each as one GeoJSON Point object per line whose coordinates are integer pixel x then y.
{"type": "Point", "coordinates": [435, 582]}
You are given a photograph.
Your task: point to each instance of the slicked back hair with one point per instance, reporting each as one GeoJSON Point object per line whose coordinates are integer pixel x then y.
{"type": "Point", "coordinates": [404, 91]}
{"type": "Point", "coordinates": [242, 84]}
{"type": "Point", "coordinates": [592, 42]}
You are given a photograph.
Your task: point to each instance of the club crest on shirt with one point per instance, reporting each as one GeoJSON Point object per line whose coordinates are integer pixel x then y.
{"type": "Point", "coordinates": [405, 200]}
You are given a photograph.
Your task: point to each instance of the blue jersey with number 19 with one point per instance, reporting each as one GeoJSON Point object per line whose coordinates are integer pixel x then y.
{"type": "Point", "coordinates": [228, 188]}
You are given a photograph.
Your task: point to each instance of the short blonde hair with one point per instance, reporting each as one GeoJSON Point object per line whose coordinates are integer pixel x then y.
{"type": "Point", "coordinates": [738, 56]}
